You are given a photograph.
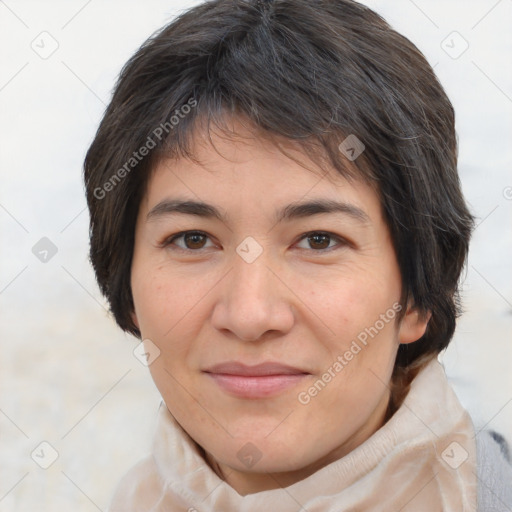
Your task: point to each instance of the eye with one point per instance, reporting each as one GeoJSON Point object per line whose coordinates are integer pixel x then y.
{"type": "Point", "coordinates": [194, 241]}
{"type": "Point", "coordinates": [190, 240]}
{"type": "Point", "coordinates": [321, 241]}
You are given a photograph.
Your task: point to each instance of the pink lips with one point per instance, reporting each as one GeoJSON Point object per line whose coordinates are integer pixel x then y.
{"type": "Point", "coordinates": [260, 381]}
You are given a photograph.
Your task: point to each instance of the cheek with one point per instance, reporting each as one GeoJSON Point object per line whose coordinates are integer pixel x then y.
{"type": "Point", "coordinates": [346, 304]}
{"type": "Point", "coordinates": [171, 309]}
{"type": "Point", "coordinates": [149, 299]}
{"type": "Point", "coordinates": [161, 301]}
{"type": "Point", "coordinates": [360, 314]}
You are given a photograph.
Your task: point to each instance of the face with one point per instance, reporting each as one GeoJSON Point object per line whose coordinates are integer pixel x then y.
{"type": "Point", "coordinates": [275, 320]}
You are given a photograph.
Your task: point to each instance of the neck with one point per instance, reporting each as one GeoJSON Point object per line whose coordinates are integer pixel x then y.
{"type": "Point", "coordinates": [244, 482]}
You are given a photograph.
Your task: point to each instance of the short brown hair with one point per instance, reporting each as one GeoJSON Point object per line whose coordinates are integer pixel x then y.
{"type": "Point", "coordinates": [312, 72]}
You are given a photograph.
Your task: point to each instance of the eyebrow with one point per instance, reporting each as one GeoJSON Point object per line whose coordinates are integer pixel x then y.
{"type": "Point", "coordinates": [288, 213]}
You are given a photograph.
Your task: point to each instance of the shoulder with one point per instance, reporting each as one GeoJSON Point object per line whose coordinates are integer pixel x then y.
{"type": "Point", "coordinates": [494, 473]}
{"type": "Point", "coordinates": [139, 489]}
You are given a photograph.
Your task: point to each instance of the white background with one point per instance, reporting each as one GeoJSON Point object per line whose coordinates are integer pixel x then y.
{"type": "Point", "coordinates": [67, 373]}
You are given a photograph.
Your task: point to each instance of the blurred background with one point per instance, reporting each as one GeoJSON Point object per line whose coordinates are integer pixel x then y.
{"type": "Point", "coordinates": [77, 409]}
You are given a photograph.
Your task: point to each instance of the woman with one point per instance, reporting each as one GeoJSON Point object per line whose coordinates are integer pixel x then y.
{"type": "Point", "coordinates": [276, 211]}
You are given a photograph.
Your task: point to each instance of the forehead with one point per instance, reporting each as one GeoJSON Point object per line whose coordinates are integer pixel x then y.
{"type": "Point", "coordinates": [248, 170]}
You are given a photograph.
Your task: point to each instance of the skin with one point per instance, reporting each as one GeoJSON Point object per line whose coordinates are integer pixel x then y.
{"type": "Point", "coordinates": [301, 302]}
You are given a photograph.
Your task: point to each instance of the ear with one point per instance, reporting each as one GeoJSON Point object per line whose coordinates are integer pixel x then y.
{"type": "Point", "coordinates": [413, 325]}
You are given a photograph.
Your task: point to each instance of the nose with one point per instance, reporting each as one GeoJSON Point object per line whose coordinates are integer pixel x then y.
{"type": "Point", "coordinates": [253, 301]}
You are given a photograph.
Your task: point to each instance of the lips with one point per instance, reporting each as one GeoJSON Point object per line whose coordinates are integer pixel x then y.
{"type": "Point", "coordinates": [259, 381]}
{"type": "Point", "coordinates": [269, 368]}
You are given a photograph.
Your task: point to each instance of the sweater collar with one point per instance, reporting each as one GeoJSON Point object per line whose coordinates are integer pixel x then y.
{"type": "Point", "coordinates": [423, 458]}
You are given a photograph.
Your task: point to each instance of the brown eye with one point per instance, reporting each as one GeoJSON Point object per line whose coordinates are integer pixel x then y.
{"type": "Point", "coordinates": [188, 241]}
{"type": "Point", "coordinates": [321, 242]}
{"type": "Point", "coordinates": [194, 240]}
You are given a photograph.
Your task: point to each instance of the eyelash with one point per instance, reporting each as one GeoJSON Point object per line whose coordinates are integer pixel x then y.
{"type": "Point", "coordinates": [341, 241]}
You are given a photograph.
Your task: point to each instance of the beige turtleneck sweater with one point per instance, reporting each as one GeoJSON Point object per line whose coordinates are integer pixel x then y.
{"type": "Point", "coordinates": [421, 460]}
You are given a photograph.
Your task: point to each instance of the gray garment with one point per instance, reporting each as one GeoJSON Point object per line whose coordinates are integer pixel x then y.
{"type": "Point", "coordinates": [494, 474]}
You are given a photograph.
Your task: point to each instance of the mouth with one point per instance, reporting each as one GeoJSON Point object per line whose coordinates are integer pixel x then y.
{"type": "Point", "coordinates": [260, 381]}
